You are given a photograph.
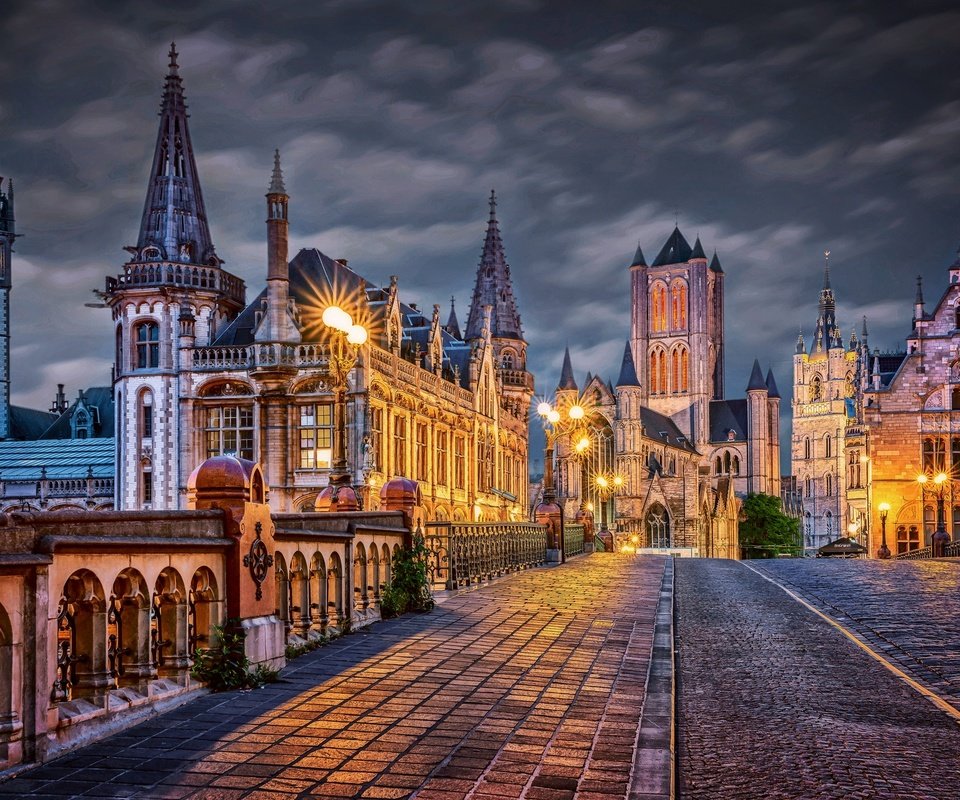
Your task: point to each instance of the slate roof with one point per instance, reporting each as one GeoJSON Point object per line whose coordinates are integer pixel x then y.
{"type": "Point", "coordinates": [664, 429]}
{"type": "Point", "coordinates": [756, 377]}
{"type": "Point", "coordinates": [99, 399]}
{"type": "Point", "coordinates": [567, 381]}
{"type": "Point", "coordinates": [889, 363]}
{"type": "Point", "coordinates": [628, 371]}
{"type": "Point", "coordinates": [29, 423]}
{"type": "Point", "coordinates": [728, 415]}
{"type": "Point", "coordinates": [772, 390]}
{"type": "Point", "coordinates": [638, 259]}
{"type": "Point", "coordinates": [63, 458]}
{"type": "Point", "coordinates": [698, 250]}
{"type": "Point", "coordinates": [676, 250]}
{"type": "Point", "coordinates": [715, 263]}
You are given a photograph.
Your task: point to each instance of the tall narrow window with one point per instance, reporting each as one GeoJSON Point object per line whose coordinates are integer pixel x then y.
{"type": "Point", "coordinates": [459, 463]}
{"type": "Point", "coordinates": [816, 389]}
{"type": "Point", "coordinates": [934, 455]}
{"type": "Point", "coordinates": [806, 447]}
{"type": "Point", "coordinates": [828, 446]}
{"type": "Point", "coordinates": [675, 358]}
{"type": "Point", "coordinates": [679, 292]}
{"type": "Point", "coordinates": [828, 481]}
{"type": "Point", "coordinates": [148, 345]}
{"type": "Point", "coordinates": [684, 370]}
{"type": "Point", "coordinates": [146, 415]}
{"type": "Point", "coordinates": [376, 437]}
{"type": "Point", "coordinates": [146, 486]}
{"type": "Point", "coordinates": [442, 454]}
{"type": "Point", "coordinates": [400, 446]}
{"type": "Point", "coordinates": [316, 435]}
{"type": "Point", "coordinates": [658, 308]}
{"type": "Point", "coordinates": [654, 373]}
{"type": "Point", "coordinates": [229, 431]}
{"type": "Point", "coordinates": [421, 451]}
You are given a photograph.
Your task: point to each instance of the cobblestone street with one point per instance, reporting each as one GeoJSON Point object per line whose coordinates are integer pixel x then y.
{"type": "Point", "coordinates": [531, 687]}
{"type": "Point", "coordinates": [776, 703]}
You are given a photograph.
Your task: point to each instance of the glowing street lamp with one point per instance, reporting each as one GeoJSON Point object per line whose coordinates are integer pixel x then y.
{"type": "Point", "coordinates": [884, 551]}
{"type": "Point", "coordinates": [346, 338]}
{"type": "Point", "coordinates": [607, 484]}
{"type": "Point", "coordinates": [936, 484]}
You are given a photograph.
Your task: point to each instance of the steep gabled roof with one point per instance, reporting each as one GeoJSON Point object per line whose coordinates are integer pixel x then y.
{"type": "Point", "coordinates": [772, 390]}
{"type": "Point", "coordinates": [29, 423]}
{"type": "Point", "coordinates": [675, 251]}
{"type": "Point", "coordinates": [99, 399]}
{"type": "Point", "coordinates": [174, 219]}
{"type": "Point", "coordinates": [453, 324]}
{"type": "Point", "coordinates": [698, 250]}
{"type": "Point", "coordinates": [715, 263]}
{"type": "Point", "coordinates": [567, 381]}
{"type": "Point", "coordinates": [638, 259]}
{"type": "Point", "coordinates": [756, 377]}
{"type": "Point", "coordinates": [663, 429]}
{"type": "Point", "coordinates": [628, 371]}
{"type": "Point", "coordinates": [726, 416]}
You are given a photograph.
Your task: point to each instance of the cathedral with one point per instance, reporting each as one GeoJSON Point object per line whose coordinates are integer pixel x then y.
{"type": "Point", "coordinates": [669, 456]}
{"type": "Point", "coordinates": [203, 371]}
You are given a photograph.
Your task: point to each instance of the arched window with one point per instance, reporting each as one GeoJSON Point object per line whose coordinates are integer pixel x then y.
{"type": "Point", "coordinates": [828, 482]}
{"type": "Point", "coordinates": [827, 446]}
{"type": "Point", "coordinates": [680, 369]}
{"type": "Point", "coordinates": [848, 385]}
{"type": "Point", "coordinates": [726, 463]}
{"type": "Point", "coordinates": [806, 447]}
{"type": "Point", "coordinates": [934, 455]}
{"type": "Point", "coordinates": [145, 412]}
{"type": "Point", "coordinates": [148, 345]}
{"type": "Point", "coordinates": [658, 527]}
{"type": "Point", "coordinates": [929, 519]}
{"type": "Point", "coordinates": [658, 308]}
{"type": "Point", "coordinates": [809, 490]}
{"type": "Point", "coordinates": [735, 465]}
{"type": "Point", "coordinates": [829, 521]}
{"type": "Point", "coordinates": [658, 371]}
{"type": "Point", "coordinates": [718, 465]}
{"type": "Point", "coordinates": [816, 389]}
{"type": "Point", "coordinates": [678, 290]}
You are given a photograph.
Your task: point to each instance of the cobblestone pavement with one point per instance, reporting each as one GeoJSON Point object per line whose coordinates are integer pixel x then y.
{"type": "Point", "coordinates": [776, 703]}
{"type": "Point", "coordinates": [532, 687]}
{"type": "Point", "coordinates": [909, 611]}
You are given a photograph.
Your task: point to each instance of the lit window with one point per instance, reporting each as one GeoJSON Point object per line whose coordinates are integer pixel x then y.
{"type": "Point", "coordinates": [441, 471]}
{"type": "Point", "coordinates": [421, 451]}
{"type": "Point", "coordinates": [316, 435]}
{"type": "Point", "coordinates": [148, 345]}
{"type": "Point", "coordinates": [399, 446]}
{"type": "Point", "coordinates": [459, 463]}
{"type": "Point", "coordinates": [229, 431]}
{"type": "Point", "coordinates": [679, 292]}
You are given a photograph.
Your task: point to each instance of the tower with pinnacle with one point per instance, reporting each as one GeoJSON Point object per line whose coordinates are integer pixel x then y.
{"type": "Point", "coordinates": [493, 288]}
{"type": "Point", "coordinates": [171, 295]}
{"type": "Point", "coordinates": [827, 441]}
{"type": "Point", "coordinates": [7, 235]}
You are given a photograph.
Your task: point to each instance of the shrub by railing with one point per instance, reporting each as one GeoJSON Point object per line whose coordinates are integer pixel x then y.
{"type": "Point", "coordinates": [463, 553]}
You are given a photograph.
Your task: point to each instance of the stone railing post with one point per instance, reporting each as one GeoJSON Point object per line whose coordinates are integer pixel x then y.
{"type": "Point", "coordinates": [402, 494]}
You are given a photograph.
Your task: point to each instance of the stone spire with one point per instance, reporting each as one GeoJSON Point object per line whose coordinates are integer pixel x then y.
{"type": "Point", "coordinates": [174, 219]}
{"type": "Point", "coordinates": [276, 180]}
{"type": "Point", "coordinates": [772, 390]}
{"type": "Point", "coordinates": [494, 287]}
{"type": "Point", "coordinates": [567, 381]}
{"type": "Point", "coordinates": [757, 381]}
{"type": "Point", "coordinates": [826, 335]}
{"type": "Point", "coordinates": [801, 344]}
{"type": "Point", "coordinates": [453, 324]}
{"type": "Point", "coordinates": [628, 371]}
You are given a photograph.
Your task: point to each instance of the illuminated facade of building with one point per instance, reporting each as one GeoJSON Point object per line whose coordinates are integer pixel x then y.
{"type": "Point", "coordinates": [829, 459]}
{"type": "Point", "coordinates": [200, 371]}
{"type": "Point", "coordinates": [682, 451]}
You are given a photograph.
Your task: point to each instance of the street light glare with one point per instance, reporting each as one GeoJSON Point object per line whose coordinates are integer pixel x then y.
{"type": "Point", "coordinates": [336, 318]}
{"type": "Point", "coordinates": [601, 481]}
{"type": "Point", "coordinates": [357, 335]}
{"type": "Point", "coordinates": [575, 412]}
{"type": "Point", "coordinates": [921, 478]}
{"type": "Point", "coordinates": [884, 507]}
{"type": "Point", "coordinates": [544, 409]}
{"type": "Point", "coordinates": [940, 478]}
{"type": "Point", "coordinates": [553, 416]}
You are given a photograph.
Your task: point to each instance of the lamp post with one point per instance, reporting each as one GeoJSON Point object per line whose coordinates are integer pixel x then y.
{"type": "Point", "coordinates": [556, 422]}
{"type": "Point", "coordinates": [607, 485]}
{"type": "Point", "coordinates": [884, 551]}
{"type": "Point", "coordinates": [346, 338]}
{"type": "Point", "coordinates": [936, 485]}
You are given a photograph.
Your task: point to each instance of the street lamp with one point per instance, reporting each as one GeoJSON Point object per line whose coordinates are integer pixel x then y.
{"type": "Point", "coordinates": [607, 484]}
{"type": "Point", "coordinates": [936, 485]}
{"type": "Point", "coordinates": [557, 422]}
{"type": "Point", "coordinates": [346, 338]}
{"type": "Point", "coordinates": [884, 551]}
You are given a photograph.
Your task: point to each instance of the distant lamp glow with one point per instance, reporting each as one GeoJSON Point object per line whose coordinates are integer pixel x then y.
{"type": "Point", "coordinates": [357, 335]}
{"type": "Point", "coordinates": [336, 318]}
{"type": "Point", "coordinates": [575, 412]}
{"type": "Point", "coordinates": [553, 416]}
{"type": "Point", "coordinates": [921, 478]}
{"type": "Point", "coordinates": [852, 528]}
{"type": "Point", "coordinates": [583, 444]}
{"type": "Point", "coordinates": [940, 478]}
{"type": "Point", "coordinates": [884, 508]}
{"type": "Point", "coordinates": [618, 480]}
{"type": "Point", "coordinates": [602, 481]}
{"type": "Point", "coordinates": [544, 409]}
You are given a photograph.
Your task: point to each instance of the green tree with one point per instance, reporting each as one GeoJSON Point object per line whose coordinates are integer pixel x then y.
{"type": "Point", "coordinates": [765, 531]}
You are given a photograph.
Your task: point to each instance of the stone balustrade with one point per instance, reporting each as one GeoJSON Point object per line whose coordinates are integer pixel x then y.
{"type": "Point", "coordinates": [184, 276]}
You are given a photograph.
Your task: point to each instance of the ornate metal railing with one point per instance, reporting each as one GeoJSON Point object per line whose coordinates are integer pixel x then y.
{"type": "Point", "coordinates": [952, 550]}
{"type": "Point", "coordinates": [463, 553]}
{"type": "Point", "coordinates": [572, 540]}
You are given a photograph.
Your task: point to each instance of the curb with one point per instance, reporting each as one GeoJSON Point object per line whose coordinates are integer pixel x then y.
{"type": "Point", "coordinates": [654, 764]}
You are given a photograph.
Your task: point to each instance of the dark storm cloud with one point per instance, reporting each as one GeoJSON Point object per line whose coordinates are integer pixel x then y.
{"type": "Point", "coordinates": [775, 132]}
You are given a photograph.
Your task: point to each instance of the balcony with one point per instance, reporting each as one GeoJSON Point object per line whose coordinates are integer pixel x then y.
{"type": "Point", "coordinates": [182, 276]}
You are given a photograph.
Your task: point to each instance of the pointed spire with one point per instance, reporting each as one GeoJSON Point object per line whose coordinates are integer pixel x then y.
{"type": "Point", "coordinates": [863, 333]}
{"type": "Point", "coordinates": [638, 259]}
{"type": "Point", "coordinates": [698, 250]}
{"type": "Point", "coordinates": [756, 378]}
{"type": "Point", "coordinates": [567, 380]}
{"type": "Point", "coordinates": [772, 390]}
{"type": "Point", "coordinates": [826, 269]}
{"type": "Point", "coordinates": [919, 298]}
{"type": "Point", "coordinates": [676, 250]}
{"type": "Point", "coordinates": [825, 335]}
{"type": "Point", "coordinates": [801, 344]}
{"type": "Point", "coordinates": [587, 379]}
{"type": "Point", "coordinates": [174, 224]}
{"type": "Point", "coordinates": [715, 263]}
{"type": "Point", "coordinates": [628, 371]}
{"type": "Point", "coordinates": [6, 208]}
{"type": "Point", "coordinates": [453, 324]}
{"type": "Point", "coordinates": [276, 180]}
{"type": "Point", "coordinates": [494, 287]}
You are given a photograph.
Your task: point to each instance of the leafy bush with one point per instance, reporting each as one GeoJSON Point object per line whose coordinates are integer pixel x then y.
{"type": "Point", "coordinates": [409, 588]}
{"type": "Point", "coordinates": [225, 666]}
{"type": "Point", "coordinates": [765, 531]}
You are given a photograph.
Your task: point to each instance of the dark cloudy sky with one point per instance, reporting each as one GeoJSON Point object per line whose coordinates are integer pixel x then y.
{"type": "Point", "coordinates": [775, 130]}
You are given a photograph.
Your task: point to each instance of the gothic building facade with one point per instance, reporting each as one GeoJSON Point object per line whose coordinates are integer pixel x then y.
{"type": "Point", "coordinates": [202, 371]}
{"type": "Point", "coordinates": [829, 459]}
{"type": "Point", "coordinates": [681, 453]}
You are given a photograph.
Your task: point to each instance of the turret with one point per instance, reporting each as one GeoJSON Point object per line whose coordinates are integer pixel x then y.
{"type": "Point", "coordinates": [277, 323]}
{"type": "Point", "coordinates": [918, 309]}
{"type": "Point", "coordinates": [773, 433]}
{"type": "Point", "coordinates": [453, 324]}
{"type": "Point", "coordinates": [8, 233]}
{"type": "Point", "coordinates": [758, 424]}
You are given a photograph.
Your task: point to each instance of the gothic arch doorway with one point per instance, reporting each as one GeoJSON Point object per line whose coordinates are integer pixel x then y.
{"type": "Point", "coordinates": [657, 526]}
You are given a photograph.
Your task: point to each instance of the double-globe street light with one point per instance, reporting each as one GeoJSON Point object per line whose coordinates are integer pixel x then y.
{"type": "Point", "coordinates": [557, 422]}
{"type": "Point", "coordinates": [346, 337]}
{"type": "Point", "coordinates": [884, 551]}
{"type": "Point", "coordinates": [607, 485]}
{"type": "Point", "coordinates": [936, 484]}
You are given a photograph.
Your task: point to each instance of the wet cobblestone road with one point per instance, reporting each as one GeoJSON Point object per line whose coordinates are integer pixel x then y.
{"type": "Point", "coordinates": [776, 703]}
{"type": "Point", "coordinates": [531, 687]}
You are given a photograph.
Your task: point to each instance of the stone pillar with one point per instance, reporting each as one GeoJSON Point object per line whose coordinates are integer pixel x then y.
{"type": "Point", "coordinates": [402, 494]}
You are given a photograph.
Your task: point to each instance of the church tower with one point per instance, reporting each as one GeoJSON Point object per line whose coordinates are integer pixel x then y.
{"type": "Point", "coordinates": [171, 295]}
{"type": "Point", "coordinates": [494, 288]}
{"type": "Point", "coordinates": [825, 388]}
{"type": "Point", "coordinates": [7, 234]}
{"type": "Point", "coordinates": [677, 333]}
